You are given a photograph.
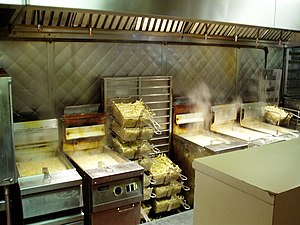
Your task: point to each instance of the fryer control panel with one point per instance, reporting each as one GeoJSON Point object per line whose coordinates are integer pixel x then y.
{"type": "Point", "coordinates": [131, 187]}
{"type": "Point", "coordinates": [117, 190]}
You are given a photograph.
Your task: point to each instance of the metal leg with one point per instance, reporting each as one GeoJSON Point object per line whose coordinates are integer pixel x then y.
{"type": "Point", "coordinates": [7, 205]}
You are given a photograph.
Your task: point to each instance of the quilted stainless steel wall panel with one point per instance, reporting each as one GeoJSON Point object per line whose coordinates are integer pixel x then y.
{"type": "Point", "coordinates": [251, 62]}
{"type": "Point", "coordinates": [49, 76]}
{"type": "Point", "coordinates": [27, 63]}
{"type": "Point", "coordinates": [275, 58]}
{"type": "Point", "coordinates": [205, 72]}
{"type": "Point", "coordinates": [79, 67]}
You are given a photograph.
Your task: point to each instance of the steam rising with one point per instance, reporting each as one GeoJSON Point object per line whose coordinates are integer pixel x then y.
{"type": "Point", "coordinates": [200, 96]}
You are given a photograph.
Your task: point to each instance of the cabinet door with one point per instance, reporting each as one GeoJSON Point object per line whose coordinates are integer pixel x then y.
{"type": "Point", "coordinates": [124, 215]}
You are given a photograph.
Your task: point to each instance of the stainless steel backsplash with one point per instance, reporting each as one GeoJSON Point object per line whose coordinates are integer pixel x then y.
{"type": "Point", "coordinates": [49, 76]}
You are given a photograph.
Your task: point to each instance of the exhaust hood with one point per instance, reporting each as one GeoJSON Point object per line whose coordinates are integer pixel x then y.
{"type": "Point", "coordinates": [235, 22]}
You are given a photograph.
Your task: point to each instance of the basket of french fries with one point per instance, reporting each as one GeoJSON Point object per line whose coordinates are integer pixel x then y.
{"type": "Point", "coordinates": [276, 116]}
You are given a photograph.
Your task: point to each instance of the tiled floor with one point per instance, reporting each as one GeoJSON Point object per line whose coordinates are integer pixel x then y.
{"type": "Point", "coordinates": [183, 218]}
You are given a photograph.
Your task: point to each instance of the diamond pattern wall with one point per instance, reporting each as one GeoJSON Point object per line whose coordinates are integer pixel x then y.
{"type": "Point", "coordinates": [80, 66]}
{"type": "Point", "coordinates": [27, 63]}
{"type": "Point", "coordinates": [49, 76]}
{"type": "Point", "coordinates": [275, 58]}
{"type": "Point", "coordinates": [207, 72]}
{"type": "Point", "coordinates": [251, 62]}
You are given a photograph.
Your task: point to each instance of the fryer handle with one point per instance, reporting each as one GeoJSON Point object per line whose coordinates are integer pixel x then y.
{"type": "Point", "coordinates": [182, 177]}
{"type": "Point", "coordinates": [47, 177]}
{"type": "Point", "coordinates": [186, 188]}
{"type": "Point", "coordinates": [154, 125]}
{"type": "Point", "coordinates": [155, 150]}
{"type": "Point", "coordinates": [295, 115]}
{"type": "Point", "coordinates": [127, 209]}
{"type": "Point", "coordinates": [145, 215]}
{"type": "Point", "coordinates": [153, 195]}
{"type": "Point", "coordinates": [185, 205]}
{"type": "Point", "coordinates": [152, 181]}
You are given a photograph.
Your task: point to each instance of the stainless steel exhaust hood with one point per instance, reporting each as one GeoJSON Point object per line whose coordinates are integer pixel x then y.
{"type": "Point", "coordinates": [196, 21]}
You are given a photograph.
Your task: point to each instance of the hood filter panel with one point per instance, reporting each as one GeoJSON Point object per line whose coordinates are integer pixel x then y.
{"type": "Point", "coordinates": [54, 18]}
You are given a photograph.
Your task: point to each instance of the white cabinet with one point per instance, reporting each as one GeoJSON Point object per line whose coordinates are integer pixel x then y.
{"type": "Point", "coordinates": [257, 186]}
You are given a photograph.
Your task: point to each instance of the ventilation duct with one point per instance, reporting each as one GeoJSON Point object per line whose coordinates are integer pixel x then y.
{"type": "Point", "coordinates": [205, 21]}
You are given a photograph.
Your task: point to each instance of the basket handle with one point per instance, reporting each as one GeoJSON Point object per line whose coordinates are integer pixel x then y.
{"type": "Point", "coordinates": [185, 205]}
{"type": "Point", "coordinates": [182, 177]}
{"type": "Point", "coordinates": [155, 150]}
{"type": "Point", "coordinates": [152, 181]}
{"type": "Point", "coordinates": [186, 188]}
{"type": "Point", "coordinates": [154, 124]}
{"type": "Point", "coordinates": [145, 216]}
{"type": "Point", "coordinates": [153, 195]}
